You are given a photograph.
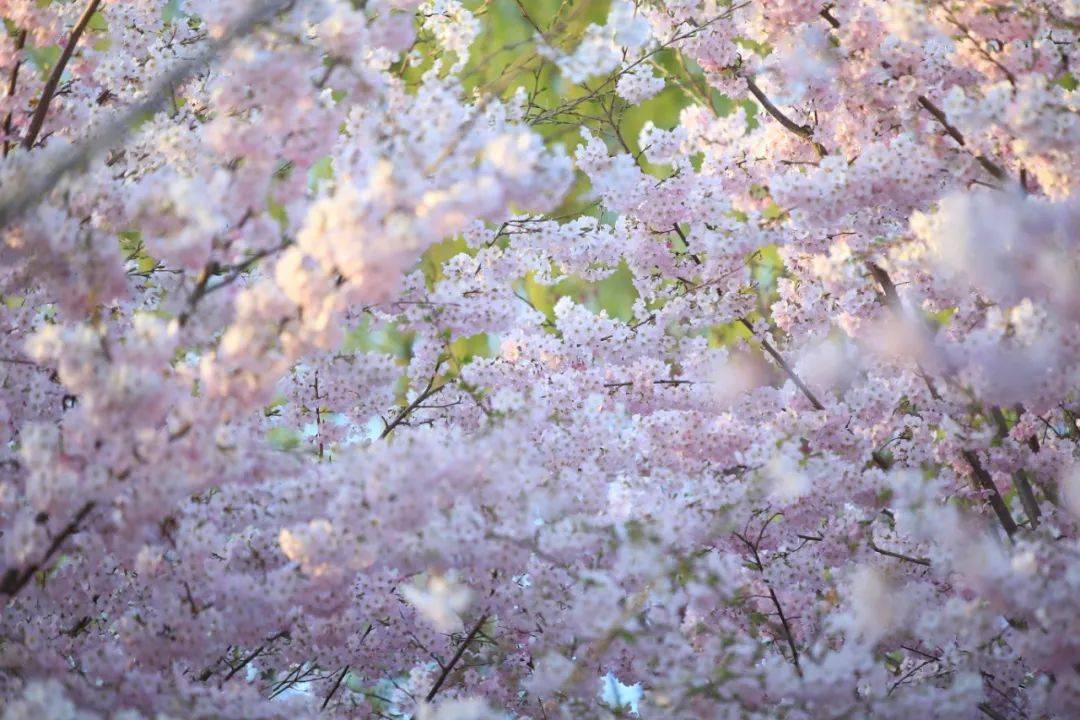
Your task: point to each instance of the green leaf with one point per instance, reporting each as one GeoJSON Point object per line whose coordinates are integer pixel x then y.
{"type": "Point", "coordinates": [283, 438]}
{"type": "Point", "coordinates": [321, 171]}
{"type": "Point", "coordinates": [44, 58]}
{"type": "Point", "coordinates": [98, 23]}
{"type": "Point", "coordinates": [278, 212]}
{"type": "Point", "coordinates": [171, 11]}
{"type": "Point", "coordinates": [1067, 81]}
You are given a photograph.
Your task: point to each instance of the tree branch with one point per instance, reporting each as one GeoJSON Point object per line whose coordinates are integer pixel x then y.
{"type": "Point", "coordinates": [1020, 477]}
{"type": "Point", "coordinates": [457, 657]}
{"type": "Point", "coordinates": [15, 580]}
{"type": "Point", "coordinates": [427, 392]}
{"type": "Point", "coordinates": [990, 166]}
{"type": "Point", "coordinates": [49, 91]}
{"type": "Point", "coordinates": [784, 366]}
{"type": "Point", "coordinates": [337, 684]}
{"type": "Point", "coordinates": [33, 190]}
{"type": "Point", "coordinates": [232, 273]}
{"type": "Point", "coordinates": [686, 243]}
{"type": "Point", "coordinates": [892, 299]}
{"type": "Point", "coordinates": [787, 631]}
{"type": "Point", "coordinates": [907, 558]}
{"type": "Point", "coordinates": [804, 131]}
{"type": "Point", "coordinates": [13, 83]}
{"type": "Point", "coordinates": [207, 673]}
{"type": "Point", "coordinates": [1027, 497]}
{"type": "Point", "coordinates": [826, 12]}
{"type": "Point", "coordinates": [988, 710]}
{"type": "Point", "coordinates": [985, 482]}
{"type": "Point", "coordinates": [242, 664]}
{"type": "Point", "coordinates": [789, 636]}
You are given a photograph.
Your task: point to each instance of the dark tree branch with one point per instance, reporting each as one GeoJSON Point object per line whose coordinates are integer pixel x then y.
{"type": "Point", "coordinates": [430, 390]}
{"type": "Point", "coordinates": [243, 663]}
{"type": "Point", "coordinates": [988, 710]}
{"type": "Point", "coordinates": [15, 579]}
{"type": "Point", "coordinates": [686, 242]}
{"type": "Point", "coordinates": [784, 366]}
{"type": "Point", "coordinates": [28, 194]}
{"type": "Point", "coordinates": [457, 657]}
{"type": "Point", "coordinates": [990, 166]}
{"type": "Point", "coordinates": [13, 84]}
{"type": "Point", "coordinates": [892, 299]}
{"type": "Point", "coordinates": [826, 12]}
{"type": "Point", "coordinates": [232, 274]}
{"type": "Point", "coordinates": [789, 635]}
{"type": "Point", "coordinates": [1027, 497]}
{"type": "Point", "coordinates": [907, 558]}
{"type": "Point", "coordinates": [209, 671]}
{"type": "Point", "coordinates": [49, 91]}
{"type": "Point", "coordinates": [1020, 477]}
{"type": "Point", "coordinates": [804, 131]}
{"type": "Point", "coordinates": [334, 689]}
{"type": "Point", "coordinates": [985, 482]}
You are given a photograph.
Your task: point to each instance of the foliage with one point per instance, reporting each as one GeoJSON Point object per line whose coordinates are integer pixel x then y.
{"type": "Point", "coordinates": [539, 359]}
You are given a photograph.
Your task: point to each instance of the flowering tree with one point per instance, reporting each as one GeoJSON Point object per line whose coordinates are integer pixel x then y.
{"type": "Point", "coordinates": [479, 360]}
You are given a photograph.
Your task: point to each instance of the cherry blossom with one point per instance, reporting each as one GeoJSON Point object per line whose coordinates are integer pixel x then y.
{"type": "Point", "coordinates": [452, 360]}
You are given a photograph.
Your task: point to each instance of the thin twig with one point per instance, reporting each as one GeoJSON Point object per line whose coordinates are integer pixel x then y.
{"type": "Point", "coordinates": [337, 684]}
{"type": "Point", "coordinates": [789, 635]}
{"type": "Point", "coordinates": [907, 558]}
{"type": "Point", "coordinates": [430, 390]}
{"type": "Point", "coordinates": [784, 366]}
{"type": "Point", "coordinates": [242, 664]}
{"type": "Point", "coordinates": [232, 274]}
{"type": "Point", "coordinates": [629, 383]}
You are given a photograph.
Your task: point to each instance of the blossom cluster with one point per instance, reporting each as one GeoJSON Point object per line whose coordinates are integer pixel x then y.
{"type": "Point", "coordinates": [354, 367]}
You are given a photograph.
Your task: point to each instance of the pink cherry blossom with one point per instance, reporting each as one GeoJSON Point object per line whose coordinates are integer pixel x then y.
{"type": "Point", "coordinates": [451, 360]}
